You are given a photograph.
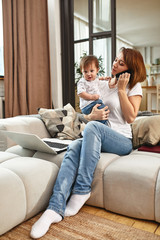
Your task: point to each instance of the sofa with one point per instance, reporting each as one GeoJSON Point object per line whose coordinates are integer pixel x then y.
{"type": "Point", "coordinates": [127, 185]}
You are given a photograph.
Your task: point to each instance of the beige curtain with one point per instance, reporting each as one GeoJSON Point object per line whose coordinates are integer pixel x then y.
{"type": "Point", "coordinates": [26, 56]}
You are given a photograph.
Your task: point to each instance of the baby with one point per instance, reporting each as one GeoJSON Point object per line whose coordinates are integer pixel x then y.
{"type": "Point", "coordinates": [88, 87]}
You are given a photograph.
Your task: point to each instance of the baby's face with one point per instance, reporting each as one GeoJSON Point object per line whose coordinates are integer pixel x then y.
{"type": "Point", "coordinates": [90, 72]}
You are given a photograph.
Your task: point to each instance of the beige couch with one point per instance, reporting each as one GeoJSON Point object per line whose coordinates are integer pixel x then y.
{"type": "Point", "coordinates": [128, 185]}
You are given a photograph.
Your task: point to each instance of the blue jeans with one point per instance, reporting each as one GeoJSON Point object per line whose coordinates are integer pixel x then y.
{"type": "Point", "coordinates": [87, 110]}
{"type": "Point", "coordinates": [76, 172]}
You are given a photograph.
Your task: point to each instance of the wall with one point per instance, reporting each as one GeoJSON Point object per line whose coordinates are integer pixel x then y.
{"type": "Point", "coordinates": [150, 53]}
{"type": "Point", "coordinates": [122, 43]}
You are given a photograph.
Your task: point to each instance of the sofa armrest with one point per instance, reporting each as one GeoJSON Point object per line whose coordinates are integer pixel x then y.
{"type": "Point", "coordinates": [24, 124]}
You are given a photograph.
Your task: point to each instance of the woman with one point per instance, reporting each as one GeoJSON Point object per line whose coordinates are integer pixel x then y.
{"type": "Point", "coordinates": [76, 173]}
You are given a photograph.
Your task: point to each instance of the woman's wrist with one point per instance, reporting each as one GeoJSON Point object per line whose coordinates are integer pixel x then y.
{"type": "Point", "coordinates": [121, 91]}
{"type": "Point", "coordinates": [87, 117]}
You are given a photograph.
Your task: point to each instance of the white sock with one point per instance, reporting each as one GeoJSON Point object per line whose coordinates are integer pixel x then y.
{"type": "Point", "coordinates": [75, 203]}
{"type": "Point", "coordinates": [40, 227]}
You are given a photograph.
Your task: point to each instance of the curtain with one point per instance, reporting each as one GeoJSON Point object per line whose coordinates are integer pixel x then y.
{"type": "Point", "coordinates": [26, 56]}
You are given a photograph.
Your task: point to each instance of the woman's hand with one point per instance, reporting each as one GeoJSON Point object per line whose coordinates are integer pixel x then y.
{"type": "Point", "coordinates": [129, 105]}
{"type": "Point", "coordinates": [98, 114]}
{"type": "Point", "coordinates": [123, 81]}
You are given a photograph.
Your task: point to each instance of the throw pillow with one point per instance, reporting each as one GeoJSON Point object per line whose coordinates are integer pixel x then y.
{"type": "Point", "coordinates": [146, 131]}
{"type": "Point", "coordinates": [63, 123]}
{"type": "Point", "coordinates": [155, 149]}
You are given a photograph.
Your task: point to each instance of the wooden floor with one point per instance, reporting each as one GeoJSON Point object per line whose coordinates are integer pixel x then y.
{"type": "Point", "coordinates": [149, 226]}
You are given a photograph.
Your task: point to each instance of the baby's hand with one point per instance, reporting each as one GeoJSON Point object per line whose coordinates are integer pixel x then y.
{"type": "Point", "coordinates": [95, 97]}
{"type": "Point", "coordinates": [105, 78]}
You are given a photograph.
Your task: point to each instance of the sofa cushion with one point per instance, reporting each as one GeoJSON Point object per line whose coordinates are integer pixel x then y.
{"type": "Point", "coordinates": [6, 156]}
{"type": "Point", "coordinates": [130, 185]}
{"type": "Point", "coordinates": [63, 123]}
{"type": "Point", "coordinates": [146, 131]}
{"type": "Point", "coordinates": [12, 201]}
{"type": "Point", "coordinates": [97, 193]}
{"type": "Point", "coordinates": [20, 151]}
{"type": "Point", "coordinates": [26, 185]}
{"type": "Point", "coordinates": [54, 158]}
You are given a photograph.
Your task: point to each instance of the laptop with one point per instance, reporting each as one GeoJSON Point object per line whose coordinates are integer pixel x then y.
{"type": "Point", "coordinates": [33, 142]}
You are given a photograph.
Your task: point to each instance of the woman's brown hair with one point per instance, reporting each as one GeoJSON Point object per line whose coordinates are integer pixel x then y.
{"type": "Point", "coordinates": [135, 63]}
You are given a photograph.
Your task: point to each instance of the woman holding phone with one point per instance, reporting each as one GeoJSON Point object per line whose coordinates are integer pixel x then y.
{"type": "Point", "coordinates": [73, 184]}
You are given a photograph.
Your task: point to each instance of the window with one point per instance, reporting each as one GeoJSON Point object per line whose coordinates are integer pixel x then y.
{"type": "Point", "coordinates": [1, 43]}
{"type": "Point", "coordinates": [92, 30]}
{"type": "Point", "coordinates": [87, 26]}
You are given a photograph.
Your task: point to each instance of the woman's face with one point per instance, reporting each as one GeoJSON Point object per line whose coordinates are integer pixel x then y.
{"type": "Point", "coordinates": [119, 65]}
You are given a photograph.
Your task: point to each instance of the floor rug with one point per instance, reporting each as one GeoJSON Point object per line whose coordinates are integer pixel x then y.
{"type": "Point", "coordinates": [83, 226]}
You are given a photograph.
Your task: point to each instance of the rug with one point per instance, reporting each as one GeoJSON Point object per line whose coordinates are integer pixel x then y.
{"type": "Point", "coordinates": [83, 226]}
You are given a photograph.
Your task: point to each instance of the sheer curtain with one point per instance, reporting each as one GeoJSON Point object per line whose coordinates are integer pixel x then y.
{"type": "Point", "coordinates": [81, 30]}
{"type": "Point", "coordinates": [26, 56]}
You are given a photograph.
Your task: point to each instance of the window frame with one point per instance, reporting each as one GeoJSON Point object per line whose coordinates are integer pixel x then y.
{"type": "Point", "coordinates": [67, 43]}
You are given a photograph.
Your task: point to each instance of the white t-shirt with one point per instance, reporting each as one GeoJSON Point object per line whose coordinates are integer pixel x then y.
{"type": "Point", "coordinates": [91, 87]}
{"type": "Point", "coordinates": [116, 118]}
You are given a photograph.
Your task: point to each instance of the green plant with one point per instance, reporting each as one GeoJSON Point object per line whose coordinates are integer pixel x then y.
{"type": "Point", "coordinates": [78, 74]}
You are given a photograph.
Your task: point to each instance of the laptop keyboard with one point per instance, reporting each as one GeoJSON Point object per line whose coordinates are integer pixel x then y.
{"type": "Point", "coordinates": [56, 145]}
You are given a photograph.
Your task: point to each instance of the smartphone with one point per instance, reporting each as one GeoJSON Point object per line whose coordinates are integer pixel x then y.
{"type": "Point", "coordinates": [128, 71]}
